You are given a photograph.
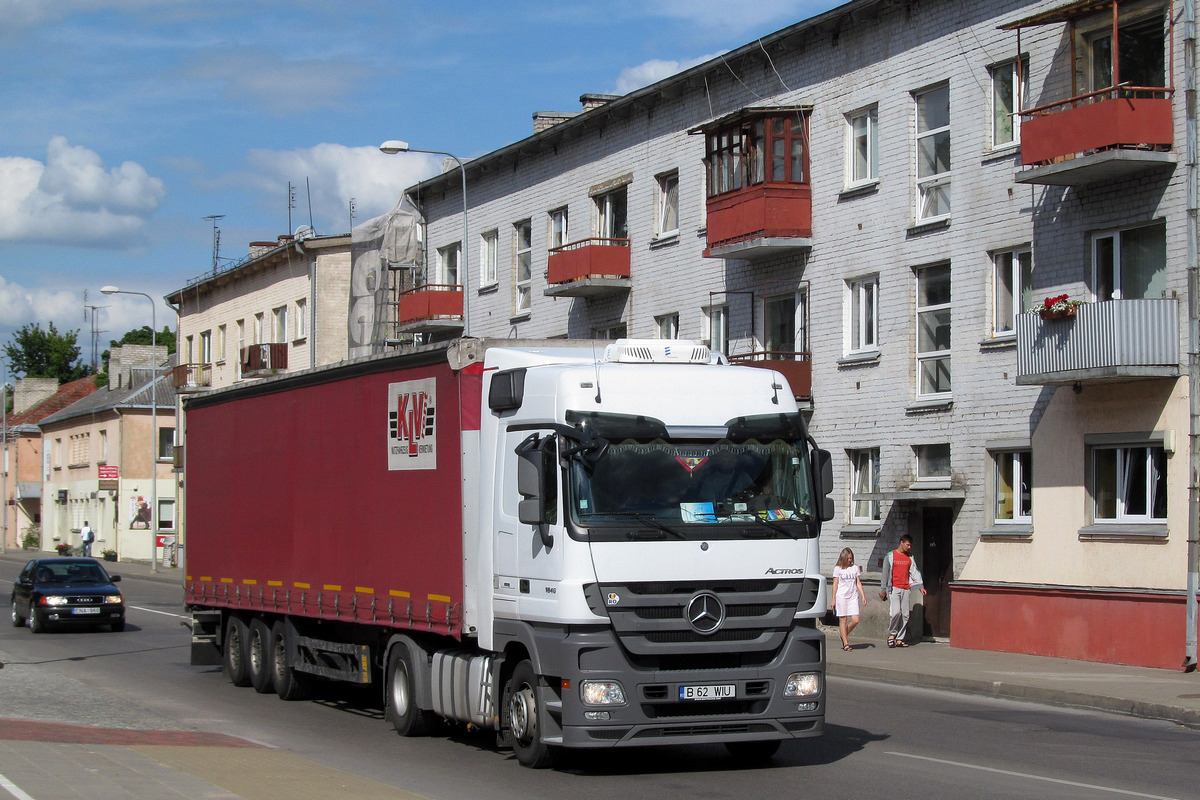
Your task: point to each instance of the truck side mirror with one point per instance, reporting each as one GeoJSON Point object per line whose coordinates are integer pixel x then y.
{"type": "Point", "coordinates": [537, 482]}
{"type": "Point", "coordinates": [823, 463]}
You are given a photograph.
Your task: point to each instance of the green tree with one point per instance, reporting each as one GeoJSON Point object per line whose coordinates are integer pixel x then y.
{"type": "Point", "coordinates": [37, 353]}
{"type": "Point", "coordinates": [164, 338]}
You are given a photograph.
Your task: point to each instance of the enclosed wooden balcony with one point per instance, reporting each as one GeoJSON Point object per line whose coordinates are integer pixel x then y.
{"type": "Point", "coordinates": [192, 377]}
{"type": "Point", "coordinates": [795, 366]}
{"type": "Point", "coordinates": [1113, 340]}
{"type": "Point", "coordinates": [588, 268]}
{"type": "Point", "coordinates": [761, 220]}
{"type": "Point", "coordinates": [260, 360]}
{"type": "Point", "coordinates": [433, 308]}
{"type": "Point", "coordinates": [1101, 136]}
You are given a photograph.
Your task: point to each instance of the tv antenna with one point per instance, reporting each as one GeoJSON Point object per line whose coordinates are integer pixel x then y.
{"type": "Point", "coordinates": [216, 246]}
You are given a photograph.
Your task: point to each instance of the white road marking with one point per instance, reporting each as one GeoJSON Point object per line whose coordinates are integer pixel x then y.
{"type": "Point", "coordinates": [13, 789]}
{"type": "Point", "coordinates": [1033, 777]}
{"type": "Point", "coordinates": [155, 611]}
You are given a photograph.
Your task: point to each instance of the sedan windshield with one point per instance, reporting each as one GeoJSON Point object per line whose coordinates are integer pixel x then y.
{"type": "Point", "coordinates": [662, 483]}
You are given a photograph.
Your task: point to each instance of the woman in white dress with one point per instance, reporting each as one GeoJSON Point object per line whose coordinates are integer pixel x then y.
{"type": "Point", "coordinates": [848, 595]}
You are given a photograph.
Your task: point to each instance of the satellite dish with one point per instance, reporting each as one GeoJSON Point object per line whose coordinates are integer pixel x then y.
{"type": "Point", "coordinates": [305, 232]}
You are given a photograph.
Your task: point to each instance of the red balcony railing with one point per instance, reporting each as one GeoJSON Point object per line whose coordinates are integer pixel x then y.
{"type": "Point", "coordinates": [1124, 117]}
{"type": "Point", "coordinates": [264, 358]}
{"type": "Point", "coordinates": [434, 301]}
{"type": "Point", "coordinates": [760, 212]}
{"type": "Point", "coordinates": [191, 377]}
{"type": "Point", "coordinates": [794, 365]}
{"type": "Point", "coordinates": [588, 258]}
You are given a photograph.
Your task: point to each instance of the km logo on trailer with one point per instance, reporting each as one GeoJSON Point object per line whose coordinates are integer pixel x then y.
{"type": "Point", "coordinates": [412, 432]}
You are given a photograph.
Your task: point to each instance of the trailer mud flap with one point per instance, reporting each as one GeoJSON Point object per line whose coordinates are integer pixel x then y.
{"type": "Point", "coordinates": [206, 650]}
{"type": "Point", "coordinates": [333, 660]}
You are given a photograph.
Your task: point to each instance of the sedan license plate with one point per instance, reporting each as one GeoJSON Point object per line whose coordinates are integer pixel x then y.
{"type": "Point", "coordinates": [85, 611]}
{"type": "Point", "coordinates": [718, 691]}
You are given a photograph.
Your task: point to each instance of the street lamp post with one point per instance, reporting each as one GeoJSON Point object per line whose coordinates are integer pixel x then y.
{"type": "Point", "coordinates": [153, 423]}
{"type": "Point", "coordinates": [4, 465]}
{"type": "Point", "coordinates": [393, 146]}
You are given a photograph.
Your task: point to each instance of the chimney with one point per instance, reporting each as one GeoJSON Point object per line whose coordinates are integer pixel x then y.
{"type": "Point", "coordinates": [123, 360]}
{"type": "Point", "coordinates": [28, 392]}
{"type": "Point", "coordinates": [258, 248]}
{"type": "Point", "coordinates": [590, 101]}
{"type": "Point", "coordinates": [544, 120]}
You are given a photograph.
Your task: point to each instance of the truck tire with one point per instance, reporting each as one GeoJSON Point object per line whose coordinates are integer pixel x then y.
{"type": "Point", "coordinates": [236, 657]}
{"type": "Point", "coordinates": [259, 662]}
{"type": "Point", "coordinates": [521, 722]}
{"type": "Point", "coordinates": [288, 683]}
{"type": "Point", "coordinates": [400, 696]}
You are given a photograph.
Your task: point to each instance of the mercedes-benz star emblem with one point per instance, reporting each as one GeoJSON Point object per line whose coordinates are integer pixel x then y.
{"type": "Point", "coordinates": [705, 613]}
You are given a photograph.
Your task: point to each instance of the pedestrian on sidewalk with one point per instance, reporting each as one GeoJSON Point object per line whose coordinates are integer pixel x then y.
{"type": "Point", "coordinates": [900, 576]}
{"type": "Point", "coordinates": [87, 536]}
{"type": "Point", "coordinates": [847, 591]}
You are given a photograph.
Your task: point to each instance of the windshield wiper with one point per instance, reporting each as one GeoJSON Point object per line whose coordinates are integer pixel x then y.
{"type": "Point", "coordinates": [648, 520]}
{"type": "Point", "coordinates": [775, 526]}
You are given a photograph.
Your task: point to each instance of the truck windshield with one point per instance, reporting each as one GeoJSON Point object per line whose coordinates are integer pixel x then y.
{"type": "Point", "coordinates": [674, 487]}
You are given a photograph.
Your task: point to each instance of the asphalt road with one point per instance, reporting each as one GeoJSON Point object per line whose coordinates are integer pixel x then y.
{"type": "Point", "coordinates": [881, 742]}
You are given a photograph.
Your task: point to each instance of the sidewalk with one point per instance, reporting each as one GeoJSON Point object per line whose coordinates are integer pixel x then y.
{"type": "Point", "coordinates": [1135, 691]}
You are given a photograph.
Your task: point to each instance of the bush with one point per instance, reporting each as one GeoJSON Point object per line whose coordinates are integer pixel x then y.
{"type": "Point", "coordinates": [33, 537]}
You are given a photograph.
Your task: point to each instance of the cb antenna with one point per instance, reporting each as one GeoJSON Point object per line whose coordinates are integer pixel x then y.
{"type": "Point", "coordinates": [216, 242]}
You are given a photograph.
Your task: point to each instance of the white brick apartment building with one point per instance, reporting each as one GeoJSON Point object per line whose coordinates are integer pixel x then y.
{"type": "Point", "coordinates": [873, 211]}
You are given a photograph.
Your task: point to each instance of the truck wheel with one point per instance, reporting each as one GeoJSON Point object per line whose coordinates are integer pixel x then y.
{"type": "Point", "coordinates": [17, 620]}
{"type": "Point", "coordinates": [400, 699]}
{"type": "Point", "coordinates": [259, 652]}
{"type": "Point", "coordinates": [521, 720]}
{"type": "Point", "coordinates": [289, 683]}
{"type": "Point", "coordinates": [753, 752]}
{"type": "Point", "coordinates": [236, 657]}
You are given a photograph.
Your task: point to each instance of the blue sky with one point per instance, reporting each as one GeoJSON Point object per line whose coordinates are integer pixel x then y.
{"type": "Point", "coordinates": [124, 123]}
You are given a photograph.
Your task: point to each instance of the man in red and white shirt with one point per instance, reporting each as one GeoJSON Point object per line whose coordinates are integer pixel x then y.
{"type": "Point", "coordinates": [900, 577]}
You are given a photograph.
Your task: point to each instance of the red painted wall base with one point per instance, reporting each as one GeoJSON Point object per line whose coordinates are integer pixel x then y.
{"type": "Point", "coordinates": [1137, 628]}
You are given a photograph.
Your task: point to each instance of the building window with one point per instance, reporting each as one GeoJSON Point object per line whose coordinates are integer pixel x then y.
{"type": "Point", "coordinates": [767, 149]}
{"type": "Point", "coordinates": [489, 245]}
{"type": "Point", "coordinates": [1129, 484]}
{"type": "Point", "coordinates": [668, 326]}
{"type": "Point", "coordinates": [1141, 53]}
{"type": "Point", "coordinates": [933, 330]}
{"type": "Point", "coordinates": [166, 443]}
{"type": "Point", "coordinates": [447, 265]}
{"type": "Point", "coordinates": [558, 228]}
{"type": "Point", "coordinates": [206, 347]}
{"type": "Point", "coordinates": [166, 514]}
{"type": "Point", "coordinates": [786, 333]}
{"type": "Point", "coordinates": [220, 351]}
{"type": "Point", "coordinates": [279, 328]}
{"type": "Point", "coordinates": [1007, 90]}
{"type": "Point", "coordinates": [617, 330]}
{"type": "Point", "coordinates": [258, 329]}
{"type": "Point", "coordinates": [863, 323]}
{"type": "Point", "coordinates": [717, 324]}
{"type": "Point", "coordinates": [188, 349]}
{"type": "Point", "coordinates": [523, 267]}
{"type": "Point", "coordinates": [612, 221]}
{"type": "Point", "coordinates": [302, 318]}
{"type": "Point", "coordinates": [864, 480]}
{"type": "Point", "coordinates": [1012, 289]}
{"type": "Point", "coordinates": [864, 146]}
{"type": "Point", "coordinates": [80, 445]}
{"type": "Point", "coordinates": [1131, 263]}
{"type": "Point", "coordinates": [103, 447]}
{"type": "Point", "coordinates": [933, 153]}
{"type": "Point", "coordinates": [667, 218]}
{"type": "Point", "coordinates": [933, 462]}
{"type": "Point", "coordinates": [1013, 486]}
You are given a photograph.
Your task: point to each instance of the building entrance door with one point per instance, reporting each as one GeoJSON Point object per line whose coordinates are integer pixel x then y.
{"type": "Point", "coordinates": [937, 568]}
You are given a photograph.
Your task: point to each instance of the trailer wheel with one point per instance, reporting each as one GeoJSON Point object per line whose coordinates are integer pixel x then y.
{"type": "Point", "coordinates": [236, 656]}
{"type": "Point", "coordinates": [400, 698]}
{"type": "Point", "coordinates": [521, 721]}
{"type": "Point", "coordinates": [289, 684]}
{"type": "Point", "coordinates": [259, 652]}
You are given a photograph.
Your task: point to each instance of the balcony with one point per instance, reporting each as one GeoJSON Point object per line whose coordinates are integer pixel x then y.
{"type": "Point", "coordinates": [1102, 136]}
{"type": "Point", "coordinates": [759, 221]}
{"type": "Point", "coordinates": [433, 308]}
{"type": "Point", "coordinates": [795, 366]}
{"type": "Point", "coordinates": [189, 378]}
{"type": "Point", "coordinates": [588, 268]}
{"type": "Point", "coordinates": [1113, 340]}
{"type": "Point", "coordinates": [261, 360]}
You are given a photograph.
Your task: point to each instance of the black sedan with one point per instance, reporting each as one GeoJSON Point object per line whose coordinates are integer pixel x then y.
{"type": "Point", "coordinates": [77, 591]}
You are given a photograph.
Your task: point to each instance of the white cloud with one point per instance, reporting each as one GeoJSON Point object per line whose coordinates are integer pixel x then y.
{"type": "Point", "coordinates": [649, 72]}
{"type": "Point", "coordinates": [20, 305]}
{"type": "Point", "coordinates": [73, 200]}
{"type": "Point", "coordinates": [335, 173]}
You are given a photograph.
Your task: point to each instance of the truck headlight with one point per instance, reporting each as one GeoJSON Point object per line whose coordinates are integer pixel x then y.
{"type": "Point", "coordinates": [54, 600]}
{"type": "Point", "coordinates": [802, 684]}
{"type": "Point", "coordinates": [601, 693]}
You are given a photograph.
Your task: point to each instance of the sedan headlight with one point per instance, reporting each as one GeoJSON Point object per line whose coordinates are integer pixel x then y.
{"type": "Point", "coordinates": [113, 599]}
{"type": "Point", "coordinates": [802, 684]}
{"type": "Point", "coordinates": [602, 693]}
{"type": "Point", "coordinates": [54, 600]}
